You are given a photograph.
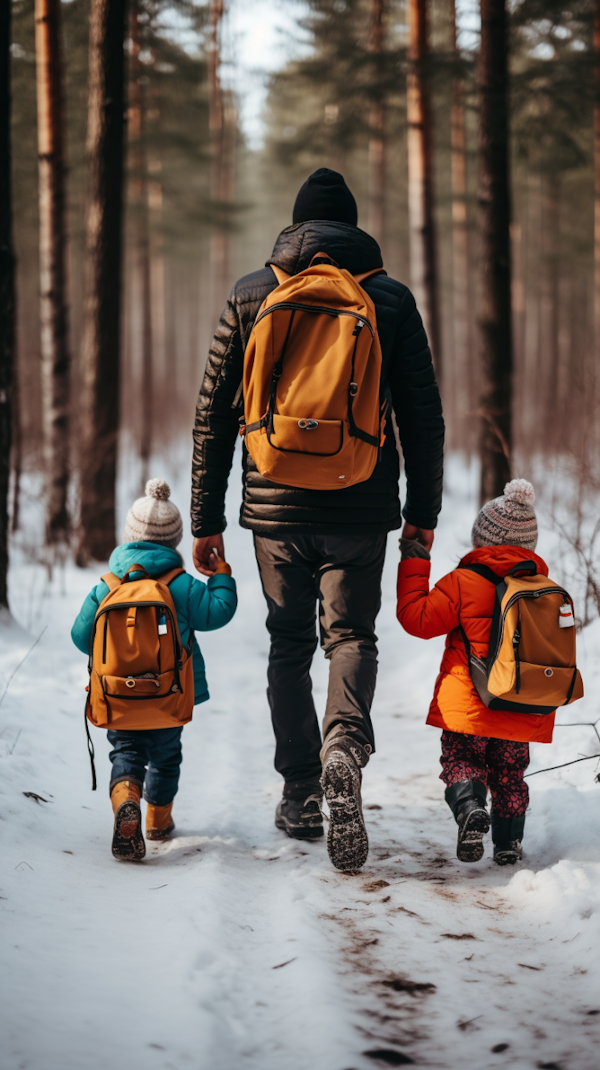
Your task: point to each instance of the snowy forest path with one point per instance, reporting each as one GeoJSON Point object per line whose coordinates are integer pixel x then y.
{"type": "Point", "coordinates": [234, 948]}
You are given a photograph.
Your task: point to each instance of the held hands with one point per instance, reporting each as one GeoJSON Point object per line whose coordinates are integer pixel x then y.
{"type": "Point", "coordinates": [416, 542]}
{"type": "Point", "coordinates": [209, 556]}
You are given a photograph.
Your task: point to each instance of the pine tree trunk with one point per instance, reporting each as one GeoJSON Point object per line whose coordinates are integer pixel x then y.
{"type": "Point", "coordinates": [53, 297]}
{"type": "Point", "coordinates": [548, 362]}
{"type": "Point", "coordinates": [222, 133]}
{"type": "Point", "coordinates": [462, 376]}
{"type": "Point", "coordinates": [596, 365]}
{"type": "Point", "coordinates": [7, 294]}
{"type": "Point", "coordinates": [376, 174]}
{"type": "Point", "coordinates": [423, 257]}
{"type": "Point", "coordinates": [141, 236]}
{"type": "Point", "coordinates": [101, 337]}
{"type": "Point", "coordinates": [494, 318]}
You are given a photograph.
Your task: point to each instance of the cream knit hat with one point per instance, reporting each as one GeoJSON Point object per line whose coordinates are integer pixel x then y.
{"type": "Point", "coordinates": [154, 518]}
{"type": "Point", "coordinates": [509, 520]}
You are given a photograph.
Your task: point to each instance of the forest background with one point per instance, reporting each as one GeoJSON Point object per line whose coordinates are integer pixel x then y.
{"type": "Point", "coordinates": [206, 193]}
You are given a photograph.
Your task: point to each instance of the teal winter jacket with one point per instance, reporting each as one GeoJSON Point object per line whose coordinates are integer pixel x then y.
{"type": "Point", "coordinates": [200, 607]}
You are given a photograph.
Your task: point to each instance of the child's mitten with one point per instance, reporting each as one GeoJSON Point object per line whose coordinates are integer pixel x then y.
{"type": "Point", "coordinates": [222, 568]}
{"type": "Point", "coordinates": [412, 548]}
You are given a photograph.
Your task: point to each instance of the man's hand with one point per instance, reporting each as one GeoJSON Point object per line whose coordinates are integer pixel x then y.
{"type": "Point", "coordinates": [206, 553]}
{"type": "Point", "coordinates": [422, 535]}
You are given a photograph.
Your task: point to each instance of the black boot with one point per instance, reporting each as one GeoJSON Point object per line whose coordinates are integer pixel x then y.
{"type": "Point", "coordinates": [347, 841]}
{"type": "Point", "coordinates": [299, 812]}
{"type": "Point", "coordinates": [466, 799]}
{"type": "Point", "coordinates": [507, 833]}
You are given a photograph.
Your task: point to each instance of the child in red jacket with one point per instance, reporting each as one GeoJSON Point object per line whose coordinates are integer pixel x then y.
{"type": "Point", "coordinates": [481, 748]}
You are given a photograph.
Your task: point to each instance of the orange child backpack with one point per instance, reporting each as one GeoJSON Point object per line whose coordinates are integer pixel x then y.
{"type": "Point", "coordinates": [313, 413]}
{"type": "Point", "coordinates": [531, 666]}
{"type": "Point", "coordinates": [141, 676]}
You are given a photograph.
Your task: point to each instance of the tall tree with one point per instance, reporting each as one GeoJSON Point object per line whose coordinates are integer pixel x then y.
{"type": "Point", "coordinates": [376, 130]}
{"type": "Point", "coordinates": [596, 371]}
{"type": "Point", "coordinates": [7, 294]}
{"type": "Point", "coordinates": [222, 123]}
{"type": "Point", "coordinates": [101, 338]}
{"type": "Point", "coordinates": [53, 254]}
{"type": "Point", "coordinates": [494, 313]}
{"type": "Point", "coordinates": [462, 372]}
{"type": "Point", "coordinates": [141, 230]}
{"type": "Point", "coordinates": [423, 252]}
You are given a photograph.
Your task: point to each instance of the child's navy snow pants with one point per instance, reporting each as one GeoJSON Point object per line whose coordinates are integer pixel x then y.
{"type": "Point", "coordinates": [151, 758]}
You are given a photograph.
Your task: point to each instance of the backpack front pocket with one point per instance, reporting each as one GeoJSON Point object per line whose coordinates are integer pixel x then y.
{"type": "Point", "coordinates": [321, 438]}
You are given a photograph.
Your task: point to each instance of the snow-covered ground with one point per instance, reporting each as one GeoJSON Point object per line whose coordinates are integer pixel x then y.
{"type": "Point", "coordinates": [235, 948]}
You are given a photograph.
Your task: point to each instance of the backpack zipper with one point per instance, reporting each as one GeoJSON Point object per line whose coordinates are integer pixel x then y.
{"type": "Point", "coordinates": [314, 308]}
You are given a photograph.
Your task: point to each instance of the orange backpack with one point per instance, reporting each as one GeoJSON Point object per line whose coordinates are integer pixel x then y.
{"type": "Point", "coordinates": [141, 676]}
{"type": "Point", "coordinates": [531, 665]}
{"type": "Point", "coordinates": [313, 413]}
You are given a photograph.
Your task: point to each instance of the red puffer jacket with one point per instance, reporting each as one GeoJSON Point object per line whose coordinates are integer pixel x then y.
{"type": "Point", "coordinates": [464, 598]}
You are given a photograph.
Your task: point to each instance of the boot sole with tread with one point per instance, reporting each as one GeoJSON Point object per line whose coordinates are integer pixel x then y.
{"type": "Point", "coordinates": [128, 840]}
{"type": "Point", "coordinates": [470, 837]}
{"type": "Point", "coordinates": [347, 841]}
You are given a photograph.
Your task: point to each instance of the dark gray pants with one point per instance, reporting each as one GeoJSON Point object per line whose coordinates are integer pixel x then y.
{"type": "Point", "coordinates": [342, 573]}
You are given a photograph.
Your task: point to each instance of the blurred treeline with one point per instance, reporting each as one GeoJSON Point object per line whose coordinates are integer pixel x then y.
{"type": "Point", "coordinates": [320, 112]}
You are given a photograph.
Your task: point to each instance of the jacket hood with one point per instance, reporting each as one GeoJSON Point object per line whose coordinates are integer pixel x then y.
{"type": "Point", "coordinates": [155, 558]}
{"type": "Point", "coordinates": [502, 558]}
{"type": "Point", "coordinates": [349, 246]}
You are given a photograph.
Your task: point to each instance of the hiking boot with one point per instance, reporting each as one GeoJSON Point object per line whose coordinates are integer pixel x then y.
{"type": "Point", "coordinates": [347, 841]}
{"type": "Point", "coordinates": [159, 823]}
{"type": "Point", "coordinates": [299, 812]}
{"type": "Point", "coordinates": [128, 841]}
{"type": "Point", "coordinates": [507, 834]}
{"type": "Point", "coordinates": [466, 799]}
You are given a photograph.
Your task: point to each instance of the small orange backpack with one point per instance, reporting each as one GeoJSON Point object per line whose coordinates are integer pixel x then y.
{"type": "Point", "coordinates": [141, 676]}
{"type": "Point", "coordinates": [313, 413]}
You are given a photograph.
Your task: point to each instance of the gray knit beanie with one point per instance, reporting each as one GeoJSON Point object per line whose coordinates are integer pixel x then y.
{"type": "Point", "coordinates": [509, 520]}
{"type": "Point", "coordinates": [154, 518]}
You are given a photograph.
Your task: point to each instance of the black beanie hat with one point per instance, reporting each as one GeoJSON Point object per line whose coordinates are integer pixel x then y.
{"type": "Point", "coordinates": [325, 195]}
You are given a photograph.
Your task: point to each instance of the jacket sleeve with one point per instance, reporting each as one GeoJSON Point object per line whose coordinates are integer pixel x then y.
{"type": "Point", "coordinates": [81, 632]}
{"type": "Point", "coordinates": [422, 612]}
{"type": "Point", "coordinates": [418, 409]}
{"type": "Point", "coordinates": [211, 605]}
{"type": "Point", "coordinates": [217, 425]}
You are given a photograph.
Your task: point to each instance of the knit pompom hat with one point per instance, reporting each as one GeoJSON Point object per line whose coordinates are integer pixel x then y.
{"type": "Point", "coordinates": [154, 518]}
{"type": "Point", "coordinates": [509, 520]}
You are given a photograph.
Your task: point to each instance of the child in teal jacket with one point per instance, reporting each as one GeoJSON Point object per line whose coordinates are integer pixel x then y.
{"type": "Point", "coordinates": [149, 761]}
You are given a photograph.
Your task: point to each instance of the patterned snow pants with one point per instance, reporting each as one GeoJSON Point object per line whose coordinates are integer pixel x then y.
{"type": "Point", "coordinates": [499, 763]}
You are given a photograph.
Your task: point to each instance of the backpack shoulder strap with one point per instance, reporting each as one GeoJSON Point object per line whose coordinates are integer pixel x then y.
{"type": "Point", "coordinates": [484, 571]}
{"type": "Point", "coordinates": [111, 581]}
{"type": "Point", "coordinates": [364, 275]}
{"type": "Point", "coordinates": [171, 575]}
{"type": "Point", "coordinates": [279, 274]}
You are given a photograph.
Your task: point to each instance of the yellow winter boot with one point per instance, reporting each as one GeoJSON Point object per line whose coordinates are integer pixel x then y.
{"type": "Point", "coordinates": [159, 823]}
{"type": "Point", "coordinates": [128, 841]}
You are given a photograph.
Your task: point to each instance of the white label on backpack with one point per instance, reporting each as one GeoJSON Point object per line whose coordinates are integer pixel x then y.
{"type": "Point", "coordinates": [565, 616]}
{"type": "Point", "coordinates": [162, 625]}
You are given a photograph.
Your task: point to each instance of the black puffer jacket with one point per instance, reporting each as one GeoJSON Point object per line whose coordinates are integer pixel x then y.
{"type": "Point", "coordinates": [372, 506]}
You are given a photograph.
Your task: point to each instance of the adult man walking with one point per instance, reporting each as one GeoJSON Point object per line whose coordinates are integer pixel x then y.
{"type": "Point", "coordinates": [322, 546]}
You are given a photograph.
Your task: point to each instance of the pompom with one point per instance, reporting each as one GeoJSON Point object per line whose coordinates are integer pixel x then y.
{"type": "Point", "coordinates": [158, 488]}
{"type": "Point", "coordinates": [520, 490]}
